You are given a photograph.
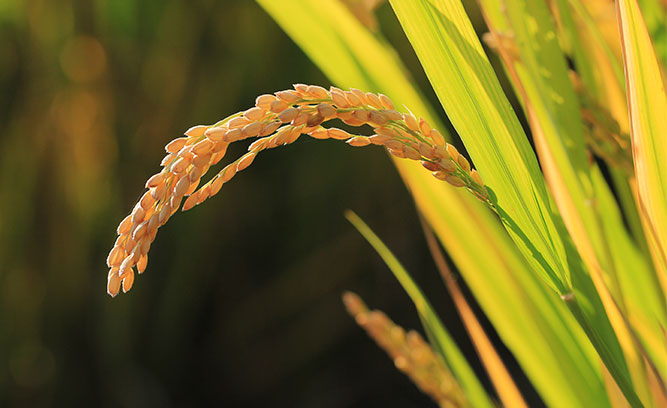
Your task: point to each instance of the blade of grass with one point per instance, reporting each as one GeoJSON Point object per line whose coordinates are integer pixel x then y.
{"type": "Point", "coordinates": [644, 300]}
{"type": "Point", "coordinates": [602, 75]}
{"type": "Point", "coordinates": [464, 81]}
{"type": "Point", "coordinates": [655, 16]}
{"type": "Point", "coordinates": [451, 353]}
{"type": "Point", "coordinates": [646, 308]}
{"type": "Point", "coordinates": [647, 103]}
{"type": "Point", "coordinates": [540, 328]}
{"type": "Point", "coordinates": [529, 317]}
{"type": "Point", "coordinates": [507, 390]}
{"type": "Point", "coordinates": [539, 74]}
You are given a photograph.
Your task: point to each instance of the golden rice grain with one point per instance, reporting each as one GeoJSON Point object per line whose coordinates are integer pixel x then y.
{"type": "Point", "coordinates": [352, 99]}
{"type": "Point", "coordinates": [282, 135]}
{"type": "Point", "coordinates": [264, 101]}
{"type": "Point", "coordinates": [113, 284]}
{"type": "Point", "coordinates": [397, 152]}
{"type": "Point", "coordinates": [220, 148]}
{"type": "Point", "coordinates": [175, 145]}
{"type": "Point", "coordinates": [288, 97]}
{"type": "Point", "coordinates": [361, 96]}
{"type": "Point", "coordinates": [254, 114]}
{"type": "Point", "coordinates": [377, 118]}
{"type": "Point", "coordinates": [317, 92]}
{"type": "Point", "coordinates": [203, 194]}
{"type": "Point", "coordinates": [455, 181]}
{"type": "Point", "coordinates": [142, 263]}
{"type": "Point", "coordinates": [115, 256]}
{"type": "Point", "coordinates": [393, 144]}
{"type": "Point", "coordinates": [475, 176]}
{"type": "Point", "coordinates": [326, 110]}
{"type": "Point", "coordinates": [167, 159]}
{"type": "Point", "coordinates": [453, 153]}
{"type": "Point", "coordinates": [338, 134]}
{"type": "Point", "coordinates": [124, 225]}
{"type": "Point", "coordinates": [338, 98]}
{"type": "Point", "coordinates": [181, 187]}
{"type": "Point", "coordinates": [447, 165]}
{"type": "Point", "coordinates": [128, 281]}
{"type": "Point", "coordinates": [237, 122]}
{"type": "Point", "coordinates": [269, 128]}
{"type": "Point", "coordinates": [314, 120]}
{"type": "Point", "coordinates": [251, 130]}
{"type": "Point", "coordinates": [288, 114]}
{"type": "Point", "coordinates": [165, 213]}
{"type": "Point", "coordinates": [278, 106]}
{"type": "Point", "coordinates": [232, 135]}
{"type": "Point", "coordinates": [216, 185]}
{"type": "Point", "coordinates": [430, 166]}
{"type": "Point", "coordinates": [146, 201]}
{"type": "Point", "coordinates": [139, 232]}
{"type": "Point", "coordinates": [424, 127]}
{"type": "Point", "coordinates": [159, 192]}
{"type": "Point", "coordinates": [358, 141]}
{"type": "Point", "coordinates": [411, 153]}
{"type": "Point", "coordinates": [155, 180]}
{"type": "Point", "coordinates": [379, 140]}
{"type": "Point", "coordinates": [216, 134]}
{"type": "Point", "coordinates": [393, 115]}
{"type": "Point", "coordinates": [258, 144]}
{"type": "Point", "coordinates": [463, 162]}
{"type": "Point", "coordinates": [153, 223]}
{"type": "Point", "coordinates": [195, 174]}
{"type": "Point", "coordinates": [196, 131]}
{"type": "Point", "coordinates": [302, 89]}
{"type": "Point", "coordinates": [319, 134]}
{"type": "Point", "coordinates": [201, 160]}
{"type": "Point", "coordinates": [374, 100]}
{"type": "Point", "coordinates": [138, 215]}
{"type": "Point", "coordinates": [411, 122]}
{"type": "Point", "coordinates": [362, 115]}
{"type": "Point", "coordinates": [300, 119]}
{"type": "Point", "coordinates": [386, 102]}
{"type": "Point", "coordinates": [228, 173]}
{"type": "Point", "coordinates": [190, 202]}
{"type": "Point", "coordinates": [245, 161]}
{"type": "Point", "coordinates": [193, 186]}
{"type": "Point", "coordinates": [202, 147]}
{"type": "Point", "coordinates": [293, 136]}
{"type": "Point", "coordinates": [180, 165]}
{"type": "Point", "coordinates": [437, 137]}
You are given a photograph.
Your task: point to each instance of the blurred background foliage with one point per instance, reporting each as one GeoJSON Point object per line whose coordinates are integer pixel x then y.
{"type": "Point", "coordinates": [240, 304]}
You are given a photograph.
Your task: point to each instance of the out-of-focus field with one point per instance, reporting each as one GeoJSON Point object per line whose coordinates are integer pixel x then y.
{"type": "Point", "coordinates": [240, 303]}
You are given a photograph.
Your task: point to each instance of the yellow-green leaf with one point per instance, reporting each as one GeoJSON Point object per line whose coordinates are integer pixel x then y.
{"type": "Point", "coordinates": [647, 104]}
{"type": "Point", "coordinates": [530, 318]}
{"type": "Point", "coordinates": [468, 89]}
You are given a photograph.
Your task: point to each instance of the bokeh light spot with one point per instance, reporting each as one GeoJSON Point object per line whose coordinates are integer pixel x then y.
{"type": "Point", "coordinates": [83, 59]}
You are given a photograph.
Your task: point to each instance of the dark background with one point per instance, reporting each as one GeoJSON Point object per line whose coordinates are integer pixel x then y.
{"type": "Point", "coordinates": [240, 304]}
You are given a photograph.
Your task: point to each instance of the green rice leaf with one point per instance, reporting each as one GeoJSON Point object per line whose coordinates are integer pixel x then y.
{"type": "Point", "coordinates": [540, 328]}
{"type": "Point", "coordinates": [647, 103]}
{"type": "Point", "coordinates": [468, 89]}
{"type": "Point", "coordinates": [464, 81]}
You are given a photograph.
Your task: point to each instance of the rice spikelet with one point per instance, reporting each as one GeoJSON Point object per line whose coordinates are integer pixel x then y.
{"type": "Point", "coordinates": [411, 354]}
{"type": "Point", "coordinates": [274, 121]}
